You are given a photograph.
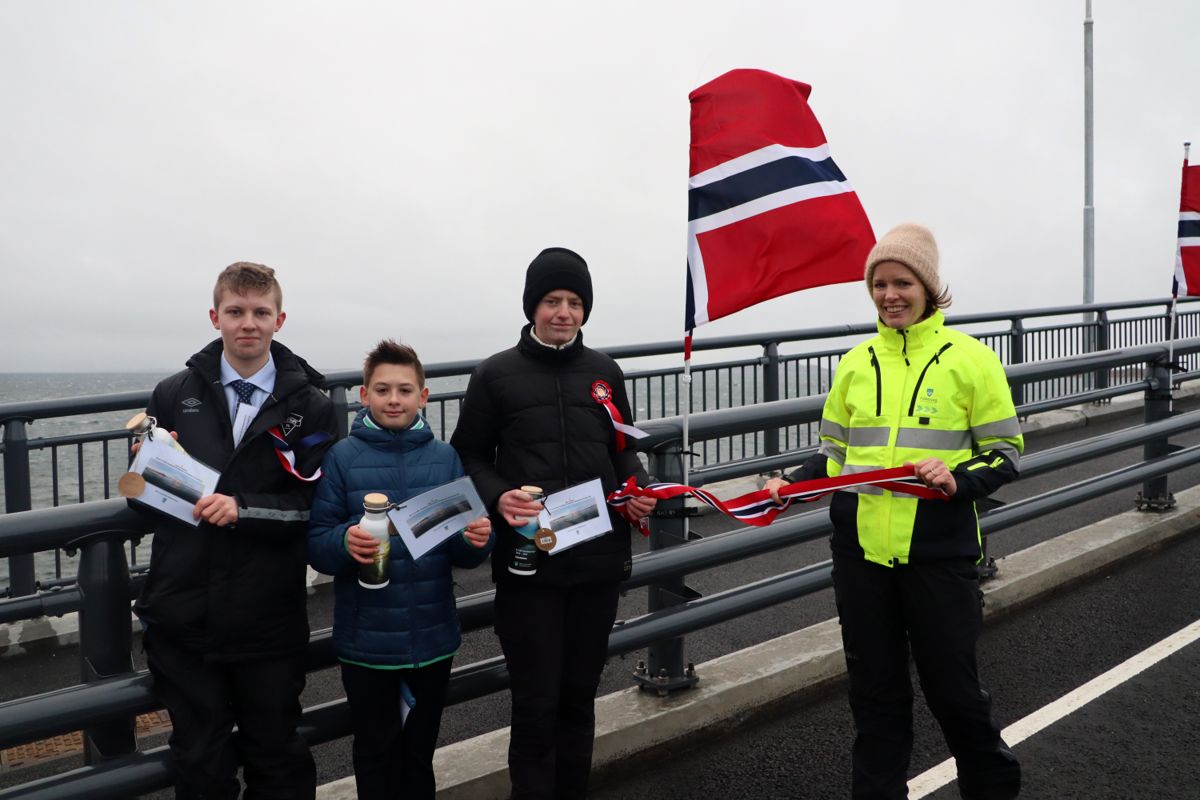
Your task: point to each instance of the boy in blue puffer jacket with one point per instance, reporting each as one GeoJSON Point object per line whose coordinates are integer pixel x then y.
{"type": "Point", "coordinates": [395, 642]}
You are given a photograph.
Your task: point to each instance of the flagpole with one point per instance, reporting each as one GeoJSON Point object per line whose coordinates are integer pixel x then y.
{"type": "Point", "coordinates": [1171, 342]}
{"type": "Point", "coordinates": [1187, 146]}
{"type": "Point", "coordinates": [687, 405]}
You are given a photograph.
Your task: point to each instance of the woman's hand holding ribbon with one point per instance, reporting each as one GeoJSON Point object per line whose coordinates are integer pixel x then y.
{"type": "Point", "coordinates": [934, 473]}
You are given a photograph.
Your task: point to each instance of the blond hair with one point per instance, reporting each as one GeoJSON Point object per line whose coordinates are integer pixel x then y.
{"type": "Point", "coordinates": [244, 276]}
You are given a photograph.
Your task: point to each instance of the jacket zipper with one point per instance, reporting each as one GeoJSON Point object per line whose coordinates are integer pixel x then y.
{"type": "Point", "coordinates": [913, 404]}
{"type": "Point", "coordinates": [562, 427]}
{"type": "Point", "coordinates": [878, 382]}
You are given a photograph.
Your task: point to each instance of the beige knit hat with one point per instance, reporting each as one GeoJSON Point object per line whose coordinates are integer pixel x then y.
{"type": "Point", "coordinates": [913, 246]}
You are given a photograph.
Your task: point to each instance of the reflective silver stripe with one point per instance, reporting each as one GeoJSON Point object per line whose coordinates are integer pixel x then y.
{"type": "Point", "coordinates": [1006, 449]}
{"type": "Point", "coordinates": [832, 429]}
{"type": "Point", "coordinates": [1001, 429]}
{"type": "Point", "coordinates": [854, 469]}
{"type": "Point", "coordinates": [869, 437]}
{"type": "Point", "coordinates": [931, 439]}
{"type": "Point", "coordinates": [274, 514]}
{"type": "Point", "coordinates": [832, 451]}
{"type": "Point", "coordinates": [864, 490]}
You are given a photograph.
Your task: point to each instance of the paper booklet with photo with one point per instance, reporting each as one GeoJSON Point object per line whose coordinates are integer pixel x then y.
{"type": "Point", "coordinates": [573, 516]}
{"type": "Point", "coordinates": [165, 478]}
{"type": "Point", "coordinates": [425, 521]}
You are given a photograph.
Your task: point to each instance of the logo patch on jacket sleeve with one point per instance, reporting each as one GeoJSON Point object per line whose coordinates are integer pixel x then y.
{"type": "Point", "coordinates": [292, 422]}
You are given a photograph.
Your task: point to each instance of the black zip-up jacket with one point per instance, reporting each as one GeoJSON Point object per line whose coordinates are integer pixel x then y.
{"type": "Point", "coordinates": [529, 417]}
{"type": "Point", "coordinates": [238, 592]}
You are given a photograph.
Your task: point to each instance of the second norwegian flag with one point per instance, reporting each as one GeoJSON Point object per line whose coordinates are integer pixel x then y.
{"type": "Point", "coordinates": [769, 212]}
{"type": "Point", "coordinates": [1187, 251]}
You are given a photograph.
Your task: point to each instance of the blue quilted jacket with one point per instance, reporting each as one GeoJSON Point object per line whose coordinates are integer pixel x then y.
{"type": "Point", "coordinates": [412, 621]}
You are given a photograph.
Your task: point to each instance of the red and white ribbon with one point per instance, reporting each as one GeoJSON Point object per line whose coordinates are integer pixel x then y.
{"type": "Point", "coordinates": [602, 394]}
{"type": "Point", "coordinates": [287, 456]}
{"type": "Point", "coordinates": [760, 509]}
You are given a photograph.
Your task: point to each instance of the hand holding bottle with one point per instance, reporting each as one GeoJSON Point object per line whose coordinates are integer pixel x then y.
{"type": "Point", "coordinates": [362, 545]}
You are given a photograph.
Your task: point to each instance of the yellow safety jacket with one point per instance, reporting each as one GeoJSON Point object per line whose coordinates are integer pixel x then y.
{"type": "Point", "coordinates": [902, 396]}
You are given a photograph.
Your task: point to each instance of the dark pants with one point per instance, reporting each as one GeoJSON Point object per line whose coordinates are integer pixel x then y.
{"type": "Point", "coordinates": [206, 699]}
{"type": "Point", "coordinates": [935, 610]}
{"type": "Point", "coordinates": [393, 760]}
{"type": "Point", "coordinates": [555, 642]}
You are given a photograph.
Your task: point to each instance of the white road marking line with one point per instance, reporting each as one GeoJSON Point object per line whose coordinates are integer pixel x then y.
{"type": "Point", "coordinates": [936, 777]}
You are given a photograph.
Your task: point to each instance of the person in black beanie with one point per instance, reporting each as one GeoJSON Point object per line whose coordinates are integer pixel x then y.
{"type": "Point", "coordinates": [538, 414]}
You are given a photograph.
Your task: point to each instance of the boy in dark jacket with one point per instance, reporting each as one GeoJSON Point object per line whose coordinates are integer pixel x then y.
{"type": "Point", "coordinates": [539, 414]}
{"type": "Point", "coordinates": [397, 642]}
{"type": "Point", "coordinates": [224, 605]}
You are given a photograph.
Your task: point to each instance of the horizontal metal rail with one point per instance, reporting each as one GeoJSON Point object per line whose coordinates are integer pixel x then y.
{"type": "Point", "coordinates": [712, 424]}
{"type": "Point", "coordinates": [43, 529]}
{"type": "Point", "coordinates": [49, 528]}
{"type": "Point", "coordinates": [45, 409]}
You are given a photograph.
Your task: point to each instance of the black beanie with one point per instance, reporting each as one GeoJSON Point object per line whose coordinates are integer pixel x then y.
{"type": "Point", "coordinates": [557, 268]}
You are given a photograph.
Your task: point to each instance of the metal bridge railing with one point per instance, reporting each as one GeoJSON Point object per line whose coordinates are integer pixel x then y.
{"type": "Point", "coordinates": [111, 694]}
{"type": "Point", "coordinates": [62, 470]}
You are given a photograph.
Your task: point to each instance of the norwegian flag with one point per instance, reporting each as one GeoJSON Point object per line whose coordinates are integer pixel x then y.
{"type": "Point", "coordinates": [1187, 254]}
{"type": "Point", "coordinates": [769, 212]}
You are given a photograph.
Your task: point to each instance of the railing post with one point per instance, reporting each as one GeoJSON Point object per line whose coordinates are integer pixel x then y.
{"type": "Point", "coordinates": [18, 497]}
{"type": "Point", "coordinates": [105, 635]}
{"type": "Point", "coordinates": [664, 670]}
{"type": "Point", "coordinates": [1016, 355]}
{"type": "Point", "coordinates": [341, 410]}
{"type": "Point", "coordinates": [1102, 343]}
{"type": "Point", "coordinates": [771, 392]}
{"type": "Point", "coordinates": [1154, 495]}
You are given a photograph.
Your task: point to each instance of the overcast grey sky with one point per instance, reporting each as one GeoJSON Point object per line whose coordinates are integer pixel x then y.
{"type": "Point", "coordinates": [399, 164]}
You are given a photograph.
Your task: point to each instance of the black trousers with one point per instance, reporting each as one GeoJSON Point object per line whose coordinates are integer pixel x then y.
{"type": "Point", "coordinates": [206, 699]}
{"type": "Point", "coordinates": [391, 759]}
{"type": "Point", "coordinates": [933, 609]}
{"type": "Point", "coordinates": [555, 642]}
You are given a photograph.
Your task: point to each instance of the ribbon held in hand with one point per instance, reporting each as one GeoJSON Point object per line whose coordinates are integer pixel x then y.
{"type": "Point", "coordinates": [760, 509]}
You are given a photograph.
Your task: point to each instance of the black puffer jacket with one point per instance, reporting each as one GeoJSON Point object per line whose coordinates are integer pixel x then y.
{"type": "Point", "coordinates": [238, 592]}
{"type": "Point", "coordinates": [529, 417]}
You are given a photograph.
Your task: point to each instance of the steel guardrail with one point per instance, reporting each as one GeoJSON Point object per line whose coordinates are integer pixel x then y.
{"type": "Point", "coordinates": [44, 409]}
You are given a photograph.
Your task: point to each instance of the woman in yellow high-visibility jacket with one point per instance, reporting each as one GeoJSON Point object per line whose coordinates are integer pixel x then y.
{"type": "Point", "coordinates": [904, 570]}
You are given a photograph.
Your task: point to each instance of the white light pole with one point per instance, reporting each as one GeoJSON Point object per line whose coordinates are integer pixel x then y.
{"type": "Point", "coordinates": [1089, 210]}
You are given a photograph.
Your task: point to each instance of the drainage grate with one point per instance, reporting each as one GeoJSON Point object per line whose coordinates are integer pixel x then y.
{"type": "Point", "coordinates": [69, 744]}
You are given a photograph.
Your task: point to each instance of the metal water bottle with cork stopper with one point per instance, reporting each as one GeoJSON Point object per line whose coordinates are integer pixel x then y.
{"type": "Point", "coordinates": [375, 523]}
{"type": "Point", "coordinates": [143, 426]}
{"type": "Point", "coordinates": [524, 559]}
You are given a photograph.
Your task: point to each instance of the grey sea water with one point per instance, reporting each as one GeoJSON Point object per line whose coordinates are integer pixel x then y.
{"type": "Point", "coordinates": [66, 474]}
